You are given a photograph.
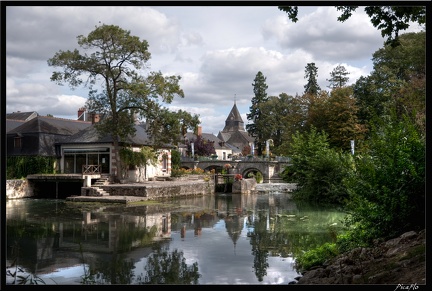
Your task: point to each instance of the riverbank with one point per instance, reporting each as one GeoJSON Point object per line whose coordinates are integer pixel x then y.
{"type": "Point", "coordinates": [401, 260]}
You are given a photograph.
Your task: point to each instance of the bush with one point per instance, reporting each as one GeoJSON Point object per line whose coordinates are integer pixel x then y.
{"type": "Point", "coordinates": [388, 186]}
{"type": "Point", "coordinates": [317, 169]}
{"type": "Point", "coordinates": [316, 257]}
{"type": "Point", "coordinates": [19, 167]}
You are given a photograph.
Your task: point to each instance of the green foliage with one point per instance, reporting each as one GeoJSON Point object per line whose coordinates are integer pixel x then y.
{"type": "Point", "coordinates": [338, 77]}
{"type": "Point", "coordinates": [175, 159]}
{"type": "Point", "coordinates": [388, 187]}
{"type": "Point", "coordinates": [389, 19]}
{"type": "Point", "coordinates": [19, 167]}
{"type": "Point", "coordinates": [316, 257]}
{"type": "Point", "coordinates": [131, 159]}
{"type": "Point", "coordinates": [184, 172]}
{"type": "Point", "coordinates": [398, 82]}
{"type": "Point", "coordinates": [311, 74]}
{"type": "Point", "coordinates": [317, 169]}
{"type": "Point", "coordinates": [115, 62]}
{"type": "Point", "coordinates": [257, 127]}
{"type": "Point", "coordinates": [259, 177]}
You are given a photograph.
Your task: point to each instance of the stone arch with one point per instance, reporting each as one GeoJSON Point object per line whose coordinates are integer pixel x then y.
{"type": "Point", "coordinates": [217, 168]}
{"type": "Point", "coordinates": [252, 170]}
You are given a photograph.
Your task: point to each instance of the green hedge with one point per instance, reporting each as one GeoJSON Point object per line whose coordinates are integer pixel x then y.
{"type": "Point", "coordinates": [19, 167]}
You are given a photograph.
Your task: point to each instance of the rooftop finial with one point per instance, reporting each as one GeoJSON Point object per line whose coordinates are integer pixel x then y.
{"type": "Point", "coordinates": [234, 98]}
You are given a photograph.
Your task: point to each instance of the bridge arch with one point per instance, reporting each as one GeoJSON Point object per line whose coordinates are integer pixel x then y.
{"type": "Point", "coordinates": [251, 170]}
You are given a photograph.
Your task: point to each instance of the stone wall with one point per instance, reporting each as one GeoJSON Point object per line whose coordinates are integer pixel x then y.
{"type": "Point", "coordinates": [244, 186]}
{"type": "Point", "coordinates": [162, 190]}
{"type": "Point", "coordinates": [16, 189]}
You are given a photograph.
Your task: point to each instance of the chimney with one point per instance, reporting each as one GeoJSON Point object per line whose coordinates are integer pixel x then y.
{"type": "Point", "coordinates": [95, 118]}
{"type": "Point", "coordinates": [80, 113]}
{"type": "Point", "coordinates": [199, 133]}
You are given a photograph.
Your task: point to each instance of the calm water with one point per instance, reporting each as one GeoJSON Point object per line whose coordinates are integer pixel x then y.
{"type": "Point", "coordinates": [220, 239]}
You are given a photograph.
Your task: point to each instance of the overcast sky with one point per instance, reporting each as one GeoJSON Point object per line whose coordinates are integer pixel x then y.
{"type": "Point", "coordinates": [217, 51]}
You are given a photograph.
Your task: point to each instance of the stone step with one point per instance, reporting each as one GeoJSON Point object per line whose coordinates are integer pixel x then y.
{"type": "Point", "coordinates": [101, 192]}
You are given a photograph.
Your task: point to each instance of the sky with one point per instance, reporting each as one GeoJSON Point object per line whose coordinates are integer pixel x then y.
{"type": "Point", "coordinates": [217, 51]}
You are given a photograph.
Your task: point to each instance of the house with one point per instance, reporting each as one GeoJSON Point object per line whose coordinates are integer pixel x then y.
{"type": "Point", "coordinates": [234, 134]}
{"type": "Point", "coordinates": [88, 148]}
{"type": "Point", "coordinates": [75, 143]}
{"type": "Point", "coordinates": [37, 136]}
{"type": "Point", "coordinates": [223, 152]}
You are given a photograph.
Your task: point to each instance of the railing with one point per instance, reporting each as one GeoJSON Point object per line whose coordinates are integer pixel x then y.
{"type": "Point", "coordinates": [234, 159]}
{"type": "Point", "coordinates": [91, 169]}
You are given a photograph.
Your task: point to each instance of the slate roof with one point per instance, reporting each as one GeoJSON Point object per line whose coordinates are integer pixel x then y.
{"type": "Point", "coordinates": [23, 116]}
{"type": "Point", "coordinates": [234, 122]}
{"type": "Point", "coordinates": [12, 123]}
{"type": "Point", "coordinates": [90, 135]}
{"type": "Point", "coordinates": [50, 125]}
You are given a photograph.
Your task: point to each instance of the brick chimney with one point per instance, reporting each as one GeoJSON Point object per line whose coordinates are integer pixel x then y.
{"type": "Point", "coordinates": [199, 132]}
{"type": "Point", "coordinates": [81, 111]}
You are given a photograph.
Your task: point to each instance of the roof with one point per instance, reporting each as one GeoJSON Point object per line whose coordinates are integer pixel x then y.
{"type": "Point", "coordinates": [218, 143]}
{"type": "Point", "coordinates": [50, 125]}
{"type": "Point", "coordinates": [234, 122]}
{"type": "Point", "coordinates": [23, 116]}
{"type": "Point", "coordinates": [11, 124]}
{"type": "Point", "coordinates": [90, 135]}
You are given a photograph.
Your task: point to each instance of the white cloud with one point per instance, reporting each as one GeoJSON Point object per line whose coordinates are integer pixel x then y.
{"type": "Point", "coordinates": [216, 50]}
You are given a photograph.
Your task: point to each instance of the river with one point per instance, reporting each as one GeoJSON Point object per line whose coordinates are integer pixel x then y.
{"type": "Point", "coordinates": [212, 239]}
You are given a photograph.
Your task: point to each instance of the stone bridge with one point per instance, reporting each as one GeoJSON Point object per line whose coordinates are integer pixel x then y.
{"type": "Point", "coordinates": [270, 170]}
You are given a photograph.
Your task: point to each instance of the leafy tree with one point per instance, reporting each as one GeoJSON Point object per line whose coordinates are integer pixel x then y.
{"type": "Point", "coordinates": [314, 106]}
{"type": "Point", "coordinates": [271, 111]}
{"type": "Point", "coordinates": [338, 77]}
{"type": "Point", "coordinates": [175, 159]}
{"type": "Point", "coordinates": [389, 19]}
{"type": "Point", "coordinates": [398, 81]}
{"type": "Point", "coordinates": [292, 118]}
{"type": "Point", "coordinates": [202, 147]}
{"type": "Point", "coordinates": [387, 188]}
{"type": "Point", "coordinates": [311, 74]}
{"type": "Point", "coordinates": [317, 169]}
{"type": "Point", "coordinates": [115, 62]}
{"type": "Point", "coordinates": [257, 128]}
{"type": "Point", "coordinates": [342, 123]}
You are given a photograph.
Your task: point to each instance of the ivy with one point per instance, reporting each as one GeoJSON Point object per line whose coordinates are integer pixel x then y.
{"type": "Point", "coordinates": [19, 167]}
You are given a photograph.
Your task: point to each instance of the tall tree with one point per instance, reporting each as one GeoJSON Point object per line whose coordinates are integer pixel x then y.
{"type": "Point", "coordinates": [398, 81]}
{"type": "Point", "coordinates": [257, 128]}
{"type": "Point", "coordinates": [117, 61]}
{"type": "Point", "coordinates": [311, 74]}
{"type": "Point", "coordinates": [338, 77]}
{"type": "Point", "coordinates": [389, 19]}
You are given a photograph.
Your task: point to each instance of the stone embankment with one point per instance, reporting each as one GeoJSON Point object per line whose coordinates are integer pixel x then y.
{"type": "Point", "coordinates": [18, 188]}
{"type": "Point", "coordinates": [400, 261]}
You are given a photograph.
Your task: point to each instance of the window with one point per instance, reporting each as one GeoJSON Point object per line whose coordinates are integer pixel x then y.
{"type": "Point", "coordinates": [17, 142]}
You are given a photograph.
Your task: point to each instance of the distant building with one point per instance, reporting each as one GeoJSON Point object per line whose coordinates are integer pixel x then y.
{"type": "Point", "coordinates": [223, 152]}
{"type": "Point", "coordinates": [229, 142]}
{"type": "Point", "coordinates": [234, 134]}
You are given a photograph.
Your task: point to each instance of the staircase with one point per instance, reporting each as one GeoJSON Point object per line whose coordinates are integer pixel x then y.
{"type": "Point", "coordinates": [100, 182]}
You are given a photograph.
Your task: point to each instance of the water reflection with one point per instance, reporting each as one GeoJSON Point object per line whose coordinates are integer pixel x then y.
{"type": "Point", "coordinates": [219, 239]}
